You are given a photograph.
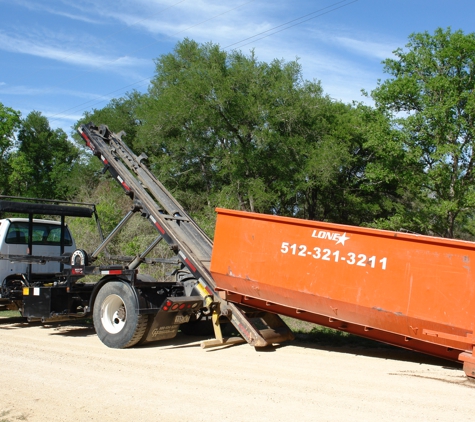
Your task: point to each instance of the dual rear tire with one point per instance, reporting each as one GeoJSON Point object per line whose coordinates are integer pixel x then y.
{"type": "Point", "coordinates": [116, 320]}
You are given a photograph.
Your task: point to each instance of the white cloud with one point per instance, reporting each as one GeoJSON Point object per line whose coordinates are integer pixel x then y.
{"type": "Point", "coordinates": [56, 119]}
{"type": "Point", "coordinates": [367, 48]}
{"type": "Point", "coordinates": [202, 20]}
{"type": "Point", "coordinates": [72, 16]}
{"type": "Point", "coordinates": [53, 49]}
{"type": "Point", "coordinates": [42, 7]}
{"type": "Point", "coordinates": [54, 91]}
{"type": "Point", "coordinates": [137, 25]}
{"type": "Point", "coordinates": [62, 117]}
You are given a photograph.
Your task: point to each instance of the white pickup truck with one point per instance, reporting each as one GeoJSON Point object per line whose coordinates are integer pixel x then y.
{"type": "Point", "coordinates": [45, 241]}
{"type": "Point", "coordinates": [34, 252]}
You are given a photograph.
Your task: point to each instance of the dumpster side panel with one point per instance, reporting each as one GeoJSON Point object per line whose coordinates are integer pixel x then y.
{"type": "Point", "coordinates": [405, 284]}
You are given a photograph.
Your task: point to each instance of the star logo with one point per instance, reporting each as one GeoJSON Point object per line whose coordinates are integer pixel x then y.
{"type": "Point", "coordinates": [336, 237]}
{"type": "Point", "coordinates": [342, 239]}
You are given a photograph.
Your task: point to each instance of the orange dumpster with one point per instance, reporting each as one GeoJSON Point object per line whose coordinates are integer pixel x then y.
{"type": "Point", "coordinates": [413, 291]}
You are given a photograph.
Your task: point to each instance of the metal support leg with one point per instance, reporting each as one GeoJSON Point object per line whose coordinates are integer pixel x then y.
{"type": "Point", "coordinates": [112, 234]}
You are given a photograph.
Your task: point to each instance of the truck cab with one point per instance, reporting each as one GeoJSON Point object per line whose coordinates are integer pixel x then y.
{"type": "Point", "coordinates": [35, 252]}
{"type": "Point", "coordinates": [45, 241]}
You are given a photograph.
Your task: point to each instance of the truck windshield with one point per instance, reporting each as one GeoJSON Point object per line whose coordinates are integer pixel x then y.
{"type": "Point", "coordinates": [43, 234]}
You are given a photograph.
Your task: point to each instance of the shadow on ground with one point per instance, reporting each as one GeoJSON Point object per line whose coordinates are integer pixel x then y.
{"type": "Point", "coordinates": [334, 344]}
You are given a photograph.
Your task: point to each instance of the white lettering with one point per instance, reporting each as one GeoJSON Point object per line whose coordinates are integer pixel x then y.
{"type": "Point", "coordinates": [337, 237]}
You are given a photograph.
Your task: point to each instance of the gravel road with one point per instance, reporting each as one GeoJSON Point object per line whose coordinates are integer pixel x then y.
{"type": "Point", "coordinates": [65, 373]}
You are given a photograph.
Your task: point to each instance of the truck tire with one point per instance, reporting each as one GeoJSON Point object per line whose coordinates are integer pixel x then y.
{"type": "Point", "coordinates": [115, 316]}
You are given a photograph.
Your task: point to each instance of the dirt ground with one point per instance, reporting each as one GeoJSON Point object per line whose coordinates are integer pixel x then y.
{"type": "Point", "coordinates": [66, 374]}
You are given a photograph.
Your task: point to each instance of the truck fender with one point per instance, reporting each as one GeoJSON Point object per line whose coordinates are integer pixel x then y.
{"type": "Point", "coordinates": [12, 277]}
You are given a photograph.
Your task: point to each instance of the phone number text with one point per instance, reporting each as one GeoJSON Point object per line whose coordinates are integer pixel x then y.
{"type": "Point", "coordinates": [360, 260]}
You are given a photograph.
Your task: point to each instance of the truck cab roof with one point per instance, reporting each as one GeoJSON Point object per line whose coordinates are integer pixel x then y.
{"type": "Point", "coordinates": [25, 220]}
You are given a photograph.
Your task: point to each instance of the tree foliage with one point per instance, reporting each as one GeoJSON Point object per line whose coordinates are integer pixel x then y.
{"type": "Point", "coordinates": [43, 162]}
{"type": "Point", "coordinates": [9, 123]}
{"type": "Point", "coordinates": [224, 129]}
{"type": "Point", "coordinates": [430, 95]}
{"type": "Point", "coordinates": [119, 115]}
{"type": "Point", "coordinates": [210, 122]}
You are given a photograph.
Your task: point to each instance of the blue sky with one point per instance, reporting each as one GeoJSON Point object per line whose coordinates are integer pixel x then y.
{"type": "Point", "coordinates": [64, 57]}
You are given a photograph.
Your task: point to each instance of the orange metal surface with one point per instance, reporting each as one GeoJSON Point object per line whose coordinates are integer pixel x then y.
{"type": "Point", "coordinates": [413, 291]}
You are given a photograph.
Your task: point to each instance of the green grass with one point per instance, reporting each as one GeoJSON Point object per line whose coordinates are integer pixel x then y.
{"type": "Point", "coordinates": [9, 314]}
{"type": "Point", "coordinates": [313, 333]}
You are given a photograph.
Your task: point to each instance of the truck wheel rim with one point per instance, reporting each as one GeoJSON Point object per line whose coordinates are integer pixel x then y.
{"type": "Point", "coordinates": [114, 314]}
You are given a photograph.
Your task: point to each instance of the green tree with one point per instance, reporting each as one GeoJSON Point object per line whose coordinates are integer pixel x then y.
{"type": "Point", "coordinates": [224, 129]}
{"type": "Point", "coordinates": [43, 163]}
{"type": "Point", "coordinates": [119, 115]}
{"type": "Point", "coordinates": [430, 96]}
{"type": "Point", "coordinates": [9, 124]}
{"type": "Point", "coordinates": [218, 126]}
{"type": "Point", "coordinates": [339, 149]}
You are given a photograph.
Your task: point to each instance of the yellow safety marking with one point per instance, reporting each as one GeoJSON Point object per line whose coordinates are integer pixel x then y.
{"type": "Point", "coordinates": [202, 290]}
{"type": "Point", "coordinates": [217, 327]}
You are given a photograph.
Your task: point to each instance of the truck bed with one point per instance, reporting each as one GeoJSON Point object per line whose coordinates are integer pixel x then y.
{"type": "Point", "coordinates": [409, 290]}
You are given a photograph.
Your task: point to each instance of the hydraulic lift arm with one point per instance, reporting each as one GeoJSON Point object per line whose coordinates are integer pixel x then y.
{"type": "Point", "coordinates": [192, 246]}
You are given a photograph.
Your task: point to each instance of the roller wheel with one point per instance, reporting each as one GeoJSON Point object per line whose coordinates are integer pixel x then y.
{"type": "Point", "coordinates": [115, 315]}
{"type": "Point", "coordinates": [79, 257]}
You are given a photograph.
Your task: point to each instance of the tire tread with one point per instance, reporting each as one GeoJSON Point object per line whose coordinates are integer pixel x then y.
{"type": "Point", "coordinates": [140, 329]}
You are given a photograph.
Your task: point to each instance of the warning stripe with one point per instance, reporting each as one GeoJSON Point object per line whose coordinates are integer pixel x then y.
{"type": "Point", "coordinates": [123, 183]}
{"type": "Point", "coordinates": [88, 141]}
{"type": "Point", "coordinates": [187, 261]}
{"type": "Point", "coordinates": [158, 226]}
{"type": "Point", "coordinates": [83, 134]}
{"type": "Point", "coordinates": [111, 272]}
